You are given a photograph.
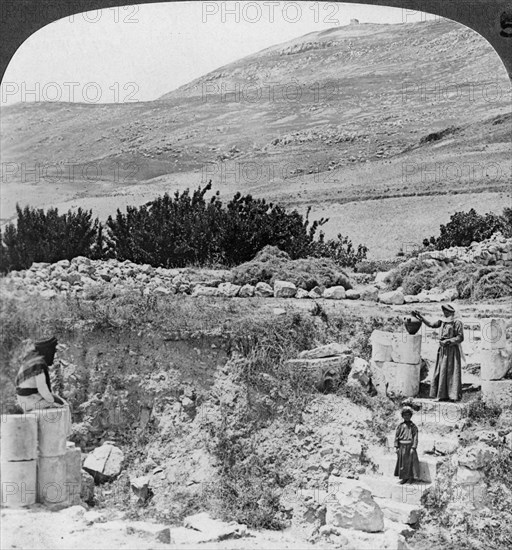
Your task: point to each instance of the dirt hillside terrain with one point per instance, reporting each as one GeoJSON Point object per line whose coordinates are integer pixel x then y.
{"type": "Point", "coordinates": [360, 122]}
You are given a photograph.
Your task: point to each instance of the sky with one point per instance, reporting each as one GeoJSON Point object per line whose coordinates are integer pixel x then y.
{"type": "Point", "coordinates": [140, 52]}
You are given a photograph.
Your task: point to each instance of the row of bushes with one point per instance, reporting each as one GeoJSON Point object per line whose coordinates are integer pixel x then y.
{"type": "Point", "coordinates": [172, 231]}
{"type": "Point", "coordinates": [466, 227]}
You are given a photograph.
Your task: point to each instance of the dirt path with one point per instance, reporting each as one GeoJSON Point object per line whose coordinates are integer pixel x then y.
{"type": "Point", "coordinates": [77, 529]}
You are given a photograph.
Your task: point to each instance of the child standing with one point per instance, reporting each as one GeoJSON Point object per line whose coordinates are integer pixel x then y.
{"type": "Point", "coordinates": [406, 441]}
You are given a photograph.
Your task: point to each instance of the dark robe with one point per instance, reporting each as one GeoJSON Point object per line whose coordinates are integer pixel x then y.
{"type": "Point", "coordinates": [447, 380]}
{"type": "Point", "coordinates": [406, 442]}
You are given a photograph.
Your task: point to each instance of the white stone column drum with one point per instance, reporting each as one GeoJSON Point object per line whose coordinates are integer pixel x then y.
{"type": "Point", "coordinates": [18, 464]}
{"type": "Point", "coordinates": [493, 333]}
{"type": "Point", "coordinates": [18, 483]}
{"type": "Point", "coordinates": [406, 348]}
{"type": "Point", "coordinates": [382, 343]}
{"type": "Point", "coordinates": [51, 480]}
{"type": "Point", "coordinates": [52, 431]}
{"type": "Point", "coordinates": [18, 435]}
{"type": "Point", "coordinates": [402, 378]}
{"type": "Point", "coordinates": [494, 364]}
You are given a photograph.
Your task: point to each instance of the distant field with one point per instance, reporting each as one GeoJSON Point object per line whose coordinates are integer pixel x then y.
{"type": "Point", "coordinates": [379, 139]}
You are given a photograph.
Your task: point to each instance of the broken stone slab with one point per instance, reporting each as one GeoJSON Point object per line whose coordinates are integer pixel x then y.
{"type": "Point", "coordinates": [215, 530]}
{"type": "Point", "coordinates": [360, 373]}
{"type": "Point", "coordinates": [497, 392]}
{"type": "Point", "coordinates": [395, 297]}
{"type": "Point", "coordinates": [264, 290]}
{"type": "Point", "coordinates": [399, 511]}
{"type": "Point", "coordinates": [334, 293]}
{"type": "Point", "coordinates": [284, 289]}
{"type": "Point", "coordinates": [355, 509]}
{"type": "Point", "coordinates": [104, 463]}
{"type": "Point", "coordinates": [352, 294]}
{"type": "Point", "coordinates": [328, 350]}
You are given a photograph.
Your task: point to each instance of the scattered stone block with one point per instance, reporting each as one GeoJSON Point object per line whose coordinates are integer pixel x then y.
{"type": "Point", "coordinates": [200, 290]}
{"type": "Point", "coordinates": [355, 510]}
{"type": "Point", "coordinates": [284, 289]}
{"type": "Point", "coordinates": [215, 530]}
{"type": "Point", "coordinates": [399, 511]}
{"type": "Point", "coordinates": [369, 293]}
{"type": "Point", "coordinates": [301, 294]}
{"type": "Point", "coordinates": [229, 290]}
{"type": "Point", "coordinates": [395, 297]}
{"type": "Point", "coordinates": [352, 294]}
{"type": "Point", "coordinates": [263, 290]}
{"type": "Point", "coordinates": [104, 463]}
{"type": "Point", "coordinates": [246, 291]}
{"type": "Point", "coordinates": [334, 293]}
{"type": "Point", "coordinates": [316, 292]}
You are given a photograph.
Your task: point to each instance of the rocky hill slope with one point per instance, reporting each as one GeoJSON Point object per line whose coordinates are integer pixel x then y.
{"type": "Point", "coordinates": [337, 120]}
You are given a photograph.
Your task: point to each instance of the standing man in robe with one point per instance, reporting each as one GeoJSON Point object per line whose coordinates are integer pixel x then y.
{"type": "Point", "coordinates": [446, 383]}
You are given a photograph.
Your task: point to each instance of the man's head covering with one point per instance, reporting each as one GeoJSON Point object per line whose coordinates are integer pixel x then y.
{"type": "Point", "coordinates": [45, 343]}
{"type": "Point", "coordinates": [448, 307]}
{"type": "Point", "coordinates": [406, 411]}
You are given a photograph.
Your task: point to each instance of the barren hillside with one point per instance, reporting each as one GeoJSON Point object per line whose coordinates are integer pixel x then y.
{"type": "Point", "coordinates": [359, 122]}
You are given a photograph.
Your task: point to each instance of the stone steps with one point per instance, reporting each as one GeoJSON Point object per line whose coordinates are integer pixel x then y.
{"type": "Point", "coordinates": [389, 488]}
{"type": "Point", "coordinates": [429, 442]}
{"type": "Point", "coordinates": [437, 412]}
{"type": "Point", "coordinates": [428, 466]}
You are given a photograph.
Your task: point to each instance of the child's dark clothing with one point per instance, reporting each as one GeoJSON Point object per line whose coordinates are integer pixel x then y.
{"type": "Point", "coordinates": [406, 441]}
